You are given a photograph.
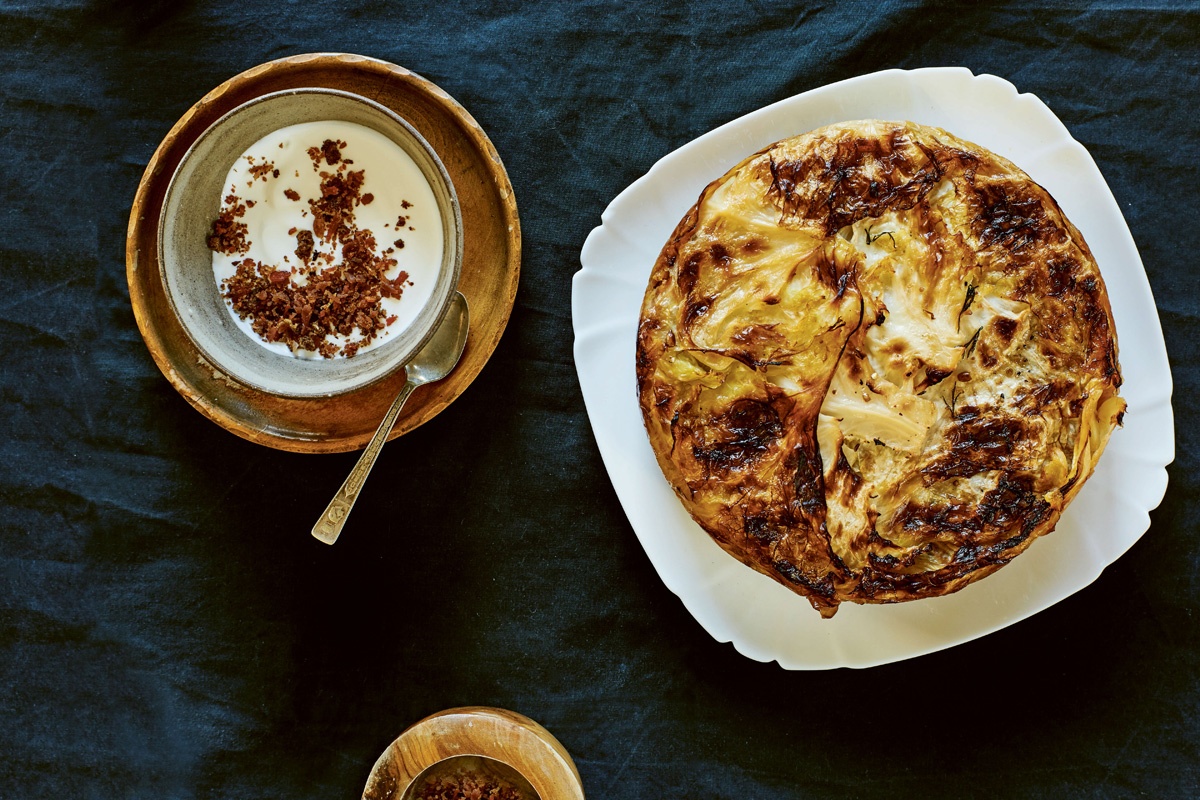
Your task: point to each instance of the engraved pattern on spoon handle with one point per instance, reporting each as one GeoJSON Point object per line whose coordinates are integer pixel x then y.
{"type": "Point", "coordinates": [330, 525]}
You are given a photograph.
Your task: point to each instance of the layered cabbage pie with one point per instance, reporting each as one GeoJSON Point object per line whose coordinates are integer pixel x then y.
{"type": "Point", "coordinates": [876, 362]}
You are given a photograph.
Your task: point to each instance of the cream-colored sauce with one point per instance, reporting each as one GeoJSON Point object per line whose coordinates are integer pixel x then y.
{"type": "Point", "coordinates": [390, 175]}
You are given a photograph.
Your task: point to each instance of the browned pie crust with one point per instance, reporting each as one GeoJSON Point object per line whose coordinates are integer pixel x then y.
{"type": "Point", "coordinates": [876, 362]}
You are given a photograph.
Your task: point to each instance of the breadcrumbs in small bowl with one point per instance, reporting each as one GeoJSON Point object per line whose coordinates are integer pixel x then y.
{"type": "Point", "coordinates": [475, 753]}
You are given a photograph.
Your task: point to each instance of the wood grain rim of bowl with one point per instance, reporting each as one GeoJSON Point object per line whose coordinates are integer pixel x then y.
{"type": "Point", "coordinates": [505, 736]}
{"type": "Point", "coordinates": [490, 267]}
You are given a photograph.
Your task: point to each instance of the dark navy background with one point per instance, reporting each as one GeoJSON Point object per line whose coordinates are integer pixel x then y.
{"type": "Point", "coordinates": [169, 628]}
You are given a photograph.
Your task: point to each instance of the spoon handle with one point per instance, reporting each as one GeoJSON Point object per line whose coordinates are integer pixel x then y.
{"type": "Point", "coordinates": [331, 522]}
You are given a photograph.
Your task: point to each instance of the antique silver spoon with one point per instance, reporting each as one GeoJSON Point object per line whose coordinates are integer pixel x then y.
{"type": "Point", "coordinates": [435, 361]}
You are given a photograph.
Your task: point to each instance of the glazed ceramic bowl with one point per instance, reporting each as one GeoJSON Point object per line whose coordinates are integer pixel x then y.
{"type": "Point", "coordinates": [193, 200]}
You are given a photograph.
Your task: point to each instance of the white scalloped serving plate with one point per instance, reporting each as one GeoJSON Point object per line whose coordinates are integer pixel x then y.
{"type": "Point", "coordinates": [764, 620]}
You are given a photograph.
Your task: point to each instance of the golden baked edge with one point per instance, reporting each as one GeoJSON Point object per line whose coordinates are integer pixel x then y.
{"type": "Point", "coordinates": [876, 362]}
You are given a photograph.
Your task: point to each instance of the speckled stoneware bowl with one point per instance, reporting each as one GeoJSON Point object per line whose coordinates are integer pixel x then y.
{"type": "Point", "coordinates": [193, 200]}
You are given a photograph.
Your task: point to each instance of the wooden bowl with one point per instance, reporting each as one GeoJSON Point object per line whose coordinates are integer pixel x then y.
{"type": "Point", "coordinates": [490, 259]}
{"type": "Point", "coordinates": [512, 739]}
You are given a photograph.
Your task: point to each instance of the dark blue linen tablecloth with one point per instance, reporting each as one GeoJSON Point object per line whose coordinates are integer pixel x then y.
{"type": "Point", "coordinates": [168, 628]}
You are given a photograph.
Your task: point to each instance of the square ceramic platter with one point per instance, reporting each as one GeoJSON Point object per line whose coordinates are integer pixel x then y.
{"type": "Point", "coordinates": [764, 620]}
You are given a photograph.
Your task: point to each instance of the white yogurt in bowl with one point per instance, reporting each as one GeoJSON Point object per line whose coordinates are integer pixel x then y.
{"type": "Point", "coordinates": [276, 190]}
{"type": "Point", "coordinates": [310, 242]}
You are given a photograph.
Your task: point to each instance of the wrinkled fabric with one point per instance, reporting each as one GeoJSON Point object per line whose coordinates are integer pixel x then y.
{"type": "Point", "coordinates": [169, 628]}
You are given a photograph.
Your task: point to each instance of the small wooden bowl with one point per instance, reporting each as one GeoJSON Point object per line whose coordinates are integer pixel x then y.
{"type": "Point", "coordinates": [493, 733]}
{"type": "Point", "coordinates": [490, 265]}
